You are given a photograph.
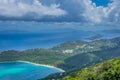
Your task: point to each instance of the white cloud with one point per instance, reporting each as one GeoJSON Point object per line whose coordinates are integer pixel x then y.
{"type": "Point", "coordinates": [19, 8]}
{"type": "Point", "coordinates": [94, 13]}
{"type": "Point", "coordinates": [84, 10]}
{"type": "Point", "coordinates": [114, 12]}
{"type": "Point", "coordinates": [73, 10]}
{"type": "Point", "coordinates": [101, 14]}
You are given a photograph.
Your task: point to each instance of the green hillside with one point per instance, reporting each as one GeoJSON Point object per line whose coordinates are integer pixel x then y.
{"type": "Point", "coordinates": [81, 60]}
{"type": "Point", "coordinates": [41, 56]}
{"type": "Point", "coordinates": [107, 70]}
{"type": "Point", "coordinates": [79, 47]}
{"type": "Point", "coordinates": [70, 55]}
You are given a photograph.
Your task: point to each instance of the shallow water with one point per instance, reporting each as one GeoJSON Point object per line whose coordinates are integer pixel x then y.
{"type": "Point", "coordinates": [24, 71]}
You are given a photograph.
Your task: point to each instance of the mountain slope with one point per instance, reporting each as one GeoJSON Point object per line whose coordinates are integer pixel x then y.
{"type": "Point", "coordinates": [108, 70]}
{"type": "Point", "coordinates": [90, 58]}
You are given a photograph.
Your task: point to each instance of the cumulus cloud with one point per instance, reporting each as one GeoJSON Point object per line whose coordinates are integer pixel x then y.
{"type": "Point", "coordinates": [97, 14]}
{"type": "Point", "coordinates": [62, 10]}
{"type": "Point", "coordinates": [19, 8]}
{"type": "Point", "coordinates": [101, 14]}
{"type": "Point", "coordinates": [94, 13]}
{"type": "Point", "coordinates": [114, 12]}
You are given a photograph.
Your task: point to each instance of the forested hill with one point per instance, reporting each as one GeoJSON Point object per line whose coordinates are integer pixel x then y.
{"type": "Point", "coordinates": [107, 70]}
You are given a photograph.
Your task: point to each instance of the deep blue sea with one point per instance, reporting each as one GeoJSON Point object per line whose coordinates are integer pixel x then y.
{"type": "Point", "coordinates": [31, 40]}
{"type": "Point", "coordinates": [24, 71]}
{"type": "Point", "coordinates": [28, 35]}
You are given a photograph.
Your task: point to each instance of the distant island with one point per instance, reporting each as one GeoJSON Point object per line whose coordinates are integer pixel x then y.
{"type": "Point", "coordinates": [95, 37]}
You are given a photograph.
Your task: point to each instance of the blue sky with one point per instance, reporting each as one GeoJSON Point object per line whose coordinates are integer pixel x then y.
{"type": "Point", "coordinates": [82, 11]}
{"type": "Point", "coordinates": [101, 2]}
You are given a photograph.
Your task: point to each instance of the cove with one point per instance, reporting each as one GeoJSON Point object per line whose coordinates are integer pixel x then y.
{"type": "Point", "coordinates": [25, 71]}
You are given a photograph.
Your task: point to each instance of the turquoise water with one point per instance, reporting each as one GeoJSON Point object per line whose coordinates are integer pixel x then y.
{"type": "Point", "coordinates": [24, 71]}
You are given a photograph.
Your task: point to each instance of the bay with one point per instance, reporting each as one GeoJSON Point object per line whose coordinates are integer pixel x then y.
{"type": "Point", "coordinates": [25, 71]}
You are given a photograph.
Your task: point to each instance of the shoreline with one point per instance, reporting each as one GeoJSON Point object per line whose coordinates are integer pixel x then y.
{"type": "Point", "coordinates": [37, 64]}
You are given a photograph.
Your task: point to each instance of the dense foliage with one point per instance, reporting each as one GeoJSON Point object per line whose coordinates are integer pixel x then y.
{"type": "Point", "coordinates": [108, 70]}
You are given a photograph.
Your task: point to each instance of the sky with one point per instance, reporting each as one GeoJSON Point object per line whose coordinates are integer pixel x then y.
{"type": "Point", "coordinates": [100, 12]}
{"type": "Point", "coordinates": [102, 2]}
